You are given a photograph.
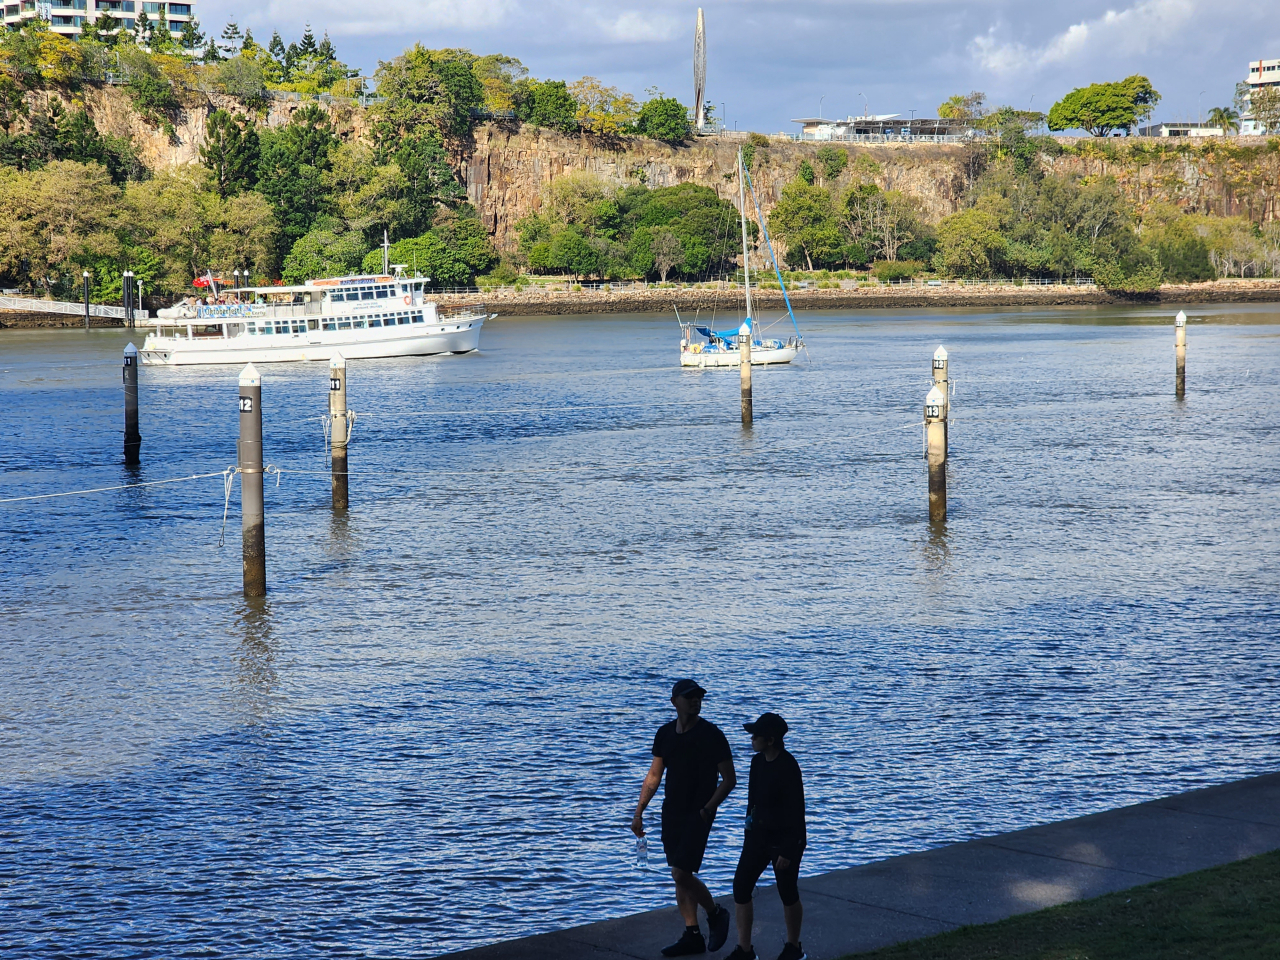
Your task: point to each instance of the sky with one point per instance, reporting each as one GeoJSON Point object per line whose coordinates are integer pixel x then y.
{"type": "Point", "coordinates": [769, 61]}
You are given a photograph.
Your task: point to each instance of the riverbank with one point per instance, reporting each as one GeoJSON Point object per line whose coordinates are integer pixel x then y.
{"type": "Point", "coordinates": [535, 300]}
{"type": "Point", "coordinates": [540, 301]}
{"type": "Point", "coordinates": [979, 882]}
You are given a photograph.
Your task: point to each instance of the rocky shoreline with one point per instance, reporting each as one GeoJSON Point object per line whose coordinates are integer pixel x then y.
{"type": "Point", "coordinates": [538, 301]}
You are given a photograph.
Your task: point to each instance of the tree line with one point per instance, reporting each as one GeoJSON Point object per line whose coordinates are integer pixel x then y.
{"type": "Point", "coordinates": [1020, 217]}
{"type": "Point", "coordinates": [299, 200]}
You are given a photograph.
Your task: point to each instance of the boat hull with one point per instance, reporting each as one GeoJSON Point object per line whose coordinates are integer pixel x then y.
{"type": "Point", "coordinates": [731, 358]}
{"type": "Point", "coordinates": [321, 345]}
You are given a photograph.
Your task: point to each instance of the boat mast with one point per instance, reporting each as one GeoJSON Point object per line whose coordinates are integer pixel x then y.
{"type": "Point", "coordinates": [742, 210]}
{"type": "Point", "coordinates": [386, 253]}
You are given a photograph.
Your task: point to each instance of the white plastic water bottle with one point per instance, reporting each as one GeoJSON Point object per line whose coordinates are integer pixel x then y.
{"type": "Point", "coordinates": [642, 853]}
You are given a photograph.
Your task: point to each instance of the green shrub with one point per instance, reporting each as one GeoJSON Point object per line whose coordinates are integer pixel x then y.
{"type": "Point", "coordinates": [891, 270]}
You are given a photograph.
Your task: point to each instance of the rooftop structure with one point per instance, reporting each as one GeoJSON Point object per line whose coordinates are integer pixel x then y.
{"type": "Point", "coordinates": [881, 127]}
{"type": "Point", "coordinates": [1190, 128]}
{"type": "Point", "coordinates": [68, 17]}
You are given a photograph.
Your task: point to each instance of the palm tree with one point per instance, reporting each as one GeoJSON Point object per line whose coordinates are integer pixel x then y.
{"type": "Point", "coordinates": [1226, 118]}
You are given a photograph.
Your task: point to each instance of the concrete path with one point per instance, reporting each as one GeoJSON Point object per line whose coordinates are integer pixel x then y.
{"type": "Point", "coordinates": [919, 894]}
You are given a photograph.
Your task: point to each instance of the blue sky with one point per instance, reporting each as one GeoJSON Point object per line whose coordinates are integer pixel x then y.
{"type": "Point", "coordinates": [770, 60]}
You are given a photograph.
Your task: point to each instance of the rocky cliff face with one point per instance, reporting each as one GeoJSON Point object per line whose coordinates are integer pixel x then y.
{"type": "Point", "coordinates": [507, 169]}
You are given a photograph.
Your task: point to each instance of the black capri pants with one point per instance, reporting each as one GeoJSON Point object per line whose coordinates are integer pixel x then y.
{"type": "Point", "coordinates": [757, 853]}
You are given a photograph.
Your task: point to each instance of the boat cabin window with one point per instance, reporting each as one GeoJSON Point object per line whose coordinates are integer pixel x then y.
{"type": "Point", "coordinates": [375, 322]}
{"type": "Point", "coordinates": [312, 324]}
{"type": "Point", "coordinates": [382, 293]}
{"type": "Point", "coordinates": [366, 293]}
{"type": "Point", "coordinates": [357, 324]}
{"type": "Point", "coordinates": [417, 318]}
{"type": "Point", "coordinates": [330, 325]}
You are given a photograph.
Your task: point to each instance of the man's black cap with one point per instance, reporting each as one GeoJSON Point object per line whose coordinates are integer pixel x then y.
{"type": "Point", "coordinates": [769, 725]}
{"type": "Point", "coordinates": [687, 688]}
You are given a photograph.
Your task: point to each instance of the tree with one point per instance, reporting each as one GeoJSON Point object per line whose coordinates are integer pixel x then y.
{"type": "Point", "coordinates": [831, 161]}
{"type": "Point", "coordinates": [805, 220]}
{"type": "Point", "coordinates": [604, 111]}
{"type": "Point", "coordinates": [232, 39]}
{"type": "Point", "coordinates": [230, 152]}
{"type": "Point", "coordinates": [667, 252]}
{"type": "Point", "coordinates": [435, 87]}
{"type": "Point", "coordinates": [1103, 107]}
{"type": "Point", "coordinates": [191, 36]}
{"type": "Point", "coordinates": [499, 75]}
{"type": "Point", "coordinates": [546, 103]}
{"type": "Point", "coordinates": [293, 160]}
{"type": "Point", "coordinates": [970, 244]}
{"type": "Point", "coordinates": [462, 232]}
{"type": "Point", "coordinates": [327, 250]}
{"type": "Point", "coordinates": [963, 107]}
{"type": "Point", "coordinates": [1226, 119]}
{"type": "Point", "coordinates": [571, 252]}
{"type": "Point", "coordinates": [805, 172]}
{"type": "Point", "coordinates": [429, 179]}
{"type": "Point", "coordinates": [878, 221]}
{"type": "Point", "coordinates": [664, 118]}
{"type": "Point", "coordinates": [1264, 105]}
{"type": "Point", "coordinates": [50, 216]}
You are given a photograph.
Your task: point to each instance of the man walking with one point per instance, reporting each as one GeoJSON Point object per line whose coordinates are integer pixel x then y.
{"type": "Point", "coordinates": [775, 834]}
{"type": "Point", "coordinates": [699, 766]}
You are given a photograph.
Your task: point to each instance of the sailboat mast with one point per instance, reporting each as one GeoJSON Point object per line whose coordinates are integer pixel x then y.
{"type": "Point", "coordinates": [742, 210]}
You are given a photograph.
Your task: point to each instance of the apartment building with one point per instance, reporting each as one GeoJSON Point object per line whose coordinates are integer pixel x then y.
{"type": "Point", "coordinates": [1262, 73]}
{"type": "Point", "coordinates": [68, 17]}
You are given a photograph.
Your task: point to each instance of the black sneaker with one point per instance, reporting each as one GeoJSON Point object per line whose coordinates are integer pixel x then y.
{"type": "Point", "coordinates": [718, 923]}
{"type": "Point", "coordinates": [793, 951]}
{"type": "Point", "coordinates": [740, 954]}
{"type": "Point", "coordinates": [687, 945]}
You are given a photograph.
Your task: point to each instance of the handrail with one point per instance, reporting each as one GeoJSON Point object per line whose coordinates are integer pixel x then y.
{"type": "Point", "coordinates": [32, 305]}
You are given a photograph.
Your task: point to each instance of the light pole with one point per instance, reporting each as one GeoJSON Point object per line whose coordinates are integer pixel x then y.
{"type": "Point", "coordinates": [86, 299]}
{"type": "Point", "coordinates": [1199, 114]}
{"type": "Point", "coordinates": [820, 99]}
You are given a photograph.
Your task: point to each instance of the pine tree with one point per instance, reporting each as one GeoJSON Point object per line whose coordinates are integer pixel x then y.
{"type": "Point", "coordinates": [231, 38]}
{"type": "Point", "coordinates": [212, 52]}
{"type": "Point", "coordinates": [142, 27]}
{"type": "Point", "coordinates": [307, 47]}
{"type": "Point", "coordinates": [191, 36]}
{"type": "Point", "coordinates": [230, 152]}
{"type": "Point", "coordinates": [325, 52]}
{"type": "Point", "coordinates": [276, 48]}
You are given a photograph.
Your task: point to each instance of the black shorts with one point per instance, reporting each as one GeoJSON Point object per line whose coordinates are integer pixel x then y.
{"type": "Point", "coordinates": [758, 852]}
{"type": "Point", "coordinates": [684, 838]}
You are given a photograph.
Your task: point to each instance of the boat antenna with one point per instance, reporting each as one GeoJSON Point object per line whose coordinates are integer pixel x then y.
{"type": "Point", "coordinates": [742, 210]}
{"type": "Point", "coordinates": [386, 253]}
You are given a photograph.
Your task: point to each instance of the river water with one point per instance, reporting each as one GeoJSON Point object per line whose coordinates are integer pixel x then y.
{"type": "Point", "coordinates": [431, 733]}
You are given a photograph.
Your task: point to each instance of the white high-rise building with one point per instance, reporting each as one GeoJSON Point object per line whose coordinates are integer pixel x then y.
{"type": "Point", "coordinates": [68, 17]}
{"type": "Point", "coordinates": [1262, 73]}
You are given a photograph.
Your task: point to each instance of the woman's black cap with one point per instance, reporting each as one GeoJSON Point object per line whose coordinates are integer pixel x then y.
{"type": "Point", "coordinates": [769, 725]}
{"type": "Point", "coordinates": [687, 688]}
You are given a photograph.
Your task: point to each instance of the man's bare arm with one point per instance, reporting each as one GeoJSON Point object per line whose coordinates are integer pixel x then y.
{"type": "Point", "coordinates": [647, 789]}
{"type": "Point", "coordinates": [728, 780]}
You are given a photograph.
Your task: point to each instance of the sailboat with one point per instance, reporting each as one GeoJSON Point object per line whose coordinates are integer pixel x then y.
{"type": "Point", "coordinates": [722, 348]}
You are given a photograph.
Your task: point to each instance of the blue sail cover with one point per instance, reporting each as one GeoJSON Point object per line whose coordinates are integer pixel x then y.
{"type": "Point", "coordinates": [729, 335]}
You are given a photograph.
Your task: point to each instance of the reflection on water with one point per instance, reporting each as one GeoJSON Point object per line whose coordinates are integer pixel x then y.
{"type": "Point", "coordinates": [431, 732]}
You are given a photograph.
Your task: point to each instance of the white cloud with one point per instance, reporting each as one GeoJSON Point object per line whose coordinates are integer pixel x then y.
{"type": "Point", "coordinates": [1133, 30]}
{"type": "Point", "coordinates": [344, 19]}
{"type": "Point", "coordinates": [634, 27]}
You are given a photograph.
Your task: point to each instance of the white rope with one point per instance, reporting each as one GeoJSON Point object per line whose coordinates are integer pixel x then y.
{"type": "Point", "coordinates": [123, 486]}
{"type": "Point", "coordinates": [228, 481]}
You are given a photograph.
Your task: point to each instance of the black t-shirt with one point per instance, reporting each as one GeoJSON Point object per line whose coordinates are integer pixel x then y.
{"type": "Point", "coordinates": [775, 799]}
{"type": "Point", "coordinates": [692, 760]}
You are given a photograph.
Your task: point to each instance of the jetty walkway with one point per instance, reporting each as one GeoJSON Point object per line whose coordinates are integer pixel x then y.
{"type": "Point", "coordinates": [980, 881]}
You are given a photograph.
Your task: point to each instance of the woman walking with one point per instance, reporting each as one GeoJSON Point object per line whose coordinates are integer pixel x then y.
{"type": "Point", "coordinates": [775, 834]}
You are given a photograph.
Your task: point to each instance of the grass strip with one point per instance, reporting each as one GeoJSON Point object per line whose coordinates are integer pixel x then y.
{"type": "Point", "coordinates": [1232, 911]}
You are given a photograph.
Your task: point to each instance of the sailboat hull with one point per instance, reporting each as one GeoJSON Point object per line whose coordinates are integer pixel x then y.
{"type": "Point", "coordinates": [731, 358]}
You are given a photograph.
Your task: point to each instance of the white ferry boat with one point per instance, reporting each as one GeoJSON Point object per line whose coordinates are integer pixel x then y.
{"type": "Point", "coordinates": [361, 317]}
